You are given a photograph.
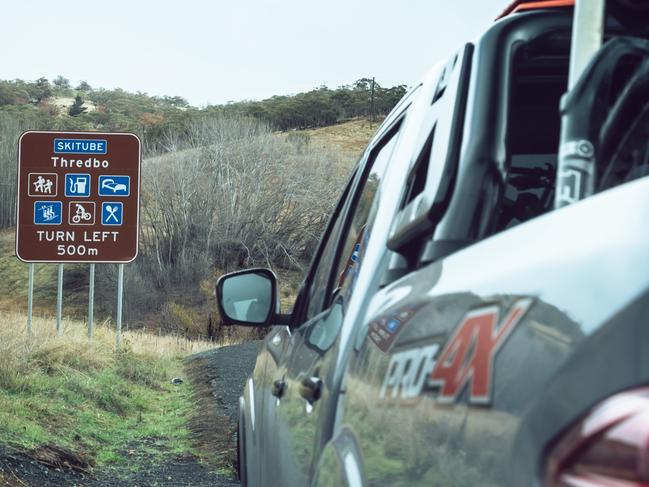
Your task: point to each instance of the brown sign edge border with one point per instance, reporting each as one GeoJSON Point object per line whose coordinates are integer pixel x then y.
{"type": "Point", "coordinates": [139, 194]}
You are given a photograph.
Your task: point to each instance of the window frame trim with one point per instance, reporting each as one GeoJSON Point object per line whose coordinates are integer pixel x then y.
{"type": "Point", "coordinates": [386, 136]}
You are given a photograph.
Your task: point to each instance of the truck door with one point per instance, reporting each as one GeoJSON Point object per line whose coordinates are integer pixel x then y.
{"type": "Point", "coordinates": [304, 387]}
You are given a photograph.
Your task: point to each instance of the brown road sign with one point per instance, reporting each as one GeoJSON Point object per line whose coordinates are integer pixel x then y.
{"type": "Point", "coordinates": [78, 197]}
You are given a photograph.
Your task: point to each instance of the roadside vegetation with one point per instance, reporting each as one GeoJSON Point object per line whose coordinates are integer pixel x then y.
{"type": "Point", "coordinates": [65, 400]}
{"type": "Point", "coordinates": [224, 187]}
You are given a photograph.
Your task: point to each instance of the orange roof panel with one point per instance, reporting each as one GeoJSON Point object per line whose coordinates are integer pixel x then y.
{"type": "Point", "coordinates": [523, 5]}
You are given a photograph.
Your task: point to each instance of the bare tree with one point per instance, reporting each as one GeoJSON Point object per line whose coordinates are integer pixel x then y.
{"type": "Point", "coordinates": [10, 130]}
{"type": "Point", "coordinates": [238, 196]}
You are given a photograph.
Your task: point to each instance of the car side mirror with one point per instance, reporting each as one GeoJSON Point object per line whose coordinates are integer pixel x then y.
{"type": "Point", "coordinates": [248, 297]}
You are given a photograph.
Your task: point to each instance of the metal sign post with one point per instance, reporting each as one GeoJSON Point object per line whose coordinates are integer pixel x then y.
{"type": "Point", "coordinates": [91, 300]}
{"type": "Point", "coordinates": [120, 295]}
{"type": "Point", "coordinates": [59, 300]}
{"type": "Point", "coordinates": [30, 298]}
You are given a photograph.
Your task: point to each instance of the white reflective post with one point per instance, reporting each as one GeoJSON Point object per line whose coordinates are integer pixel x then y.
{"type": "Point", "coordinates": [59, 300]}
{"type": "Point", "coordinates": [587, 36]}
{"type": "Point", "coordinates": [91, 299]}
{"type": "Point", "coordinates": [30, 298]}
{"type": "Point", "coordinates": [576, 165]}
{"type": "Point", "coordinates": [120, 288]}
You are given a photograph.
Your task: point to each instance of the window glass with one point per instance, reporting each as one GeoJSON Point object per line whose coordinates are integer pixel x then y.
{"type": "Point", "coordinates": [321, 276]}
{"type": "Point", "coordinates": [539, 77]}
{"type": "Point", "coordinates": [530, 189]}
{"type": "Point", "coordinates": [355, 238]}
{"type": "Point", "coordinates": [355, 242]}
{"type": "Point", "coordinates": [323, 333]}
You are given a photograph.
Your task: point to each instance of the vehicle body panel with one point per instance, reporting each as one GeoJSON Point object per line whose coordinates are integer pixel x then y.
{"type": "Point", "coordinates": [583, 267]}
{"type": "Point", "coordinates": [295, 430]}
{"type": "Point", "coordinates": [270, 448]}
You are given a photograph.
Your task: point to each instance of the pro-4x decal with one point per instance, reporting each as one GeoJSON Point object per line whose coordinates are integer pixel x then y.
{"type": "Point", "coordinates": [465, 361]}
{"type": "Point", "coordinates": [468, 357]}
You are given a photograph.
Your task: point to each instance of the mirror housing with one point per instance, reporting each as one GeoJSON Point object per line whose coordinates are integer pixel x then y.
{"type": "Point", "coordinates": [248, 298]}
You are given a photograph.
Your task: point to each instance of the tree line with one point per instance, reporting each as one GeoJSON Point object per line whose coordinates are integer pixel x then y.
{"type": "Point", "coordinates": [37, 103]}
{"type": "Point", "coordinates": [320, 107]}
{"type": "Point", "coordinates": [164, 124]}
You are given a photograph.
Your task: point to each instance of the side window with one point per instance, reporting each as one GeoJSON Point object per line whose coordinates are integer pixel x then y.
{"type": "Point", "coordinates": [538, 81]}
{"type": "Point", "coordinates": [326, 258]}
{"type": "Point", "coordinates": [358, 233]}
{"type": "Point", "coordinates": [345, 260]}
{"type": "Point", "coordinates": [529, 191]}
{"type": "Point", "coordinates": [321, 277]}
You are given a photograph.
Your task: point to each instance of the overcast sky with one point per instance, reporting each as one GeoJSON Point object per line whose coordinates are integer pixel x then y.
{"type": "Point", "coordinates": [217, 51]}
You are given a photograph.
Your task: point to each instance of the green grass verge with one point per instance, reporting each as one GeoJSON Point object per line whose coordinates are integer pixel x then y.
{"type": "Point", "coordinates": [98, 413]}
{"type": "Point", "coordinates": [66, 392]}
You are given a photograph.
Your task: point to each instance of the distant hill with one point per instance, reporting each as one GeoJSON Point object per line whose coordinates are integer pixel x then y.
{"type": "Point", "coordinates": [289, 179]}
{"type": "Point", "coordinates": [320, 107]}
{"type": "Point", "coordinates": [57, 105]}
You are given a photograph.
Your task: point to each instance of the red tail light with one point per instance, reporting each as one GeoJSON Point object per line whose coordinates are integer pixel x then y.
{"type": "Point", "coordinates": [609, 447]}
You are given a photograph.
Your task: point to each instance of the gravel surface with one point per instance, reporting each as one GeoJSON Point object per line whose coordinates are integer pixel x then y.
{"type": "Point", "coordinates": [226, 370]}
{"type": "Point", "coordinates": [218, 377]}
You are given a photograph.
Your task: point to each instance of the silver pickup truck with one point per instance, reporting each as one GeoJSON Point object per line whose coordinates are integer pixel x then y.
{"type": "Point", "coordinates": [477, 312]}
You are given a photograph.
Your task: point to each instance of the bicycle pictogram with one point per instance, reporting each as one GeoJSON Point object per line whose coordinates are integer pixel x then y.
{"type": "Point", "coordinates": [81, 213]}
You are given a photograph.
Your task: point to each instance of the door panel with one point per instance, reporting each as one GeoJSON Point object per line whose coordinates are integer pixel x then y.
{"type": "Point", "coordinates": [296, 418]}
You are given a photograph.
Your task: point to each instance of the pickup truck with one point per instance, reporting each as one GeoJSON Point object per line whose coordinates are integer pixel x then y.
{"type": "Point", "coordinates": [477, 310]}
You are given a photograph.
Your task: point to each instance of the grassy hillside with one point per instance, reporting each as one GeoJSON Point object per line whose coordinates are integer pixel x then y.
{"type": "Point", "coordinates": [65, 394]}
{"type": "Point", "coordinates": [185, 306]}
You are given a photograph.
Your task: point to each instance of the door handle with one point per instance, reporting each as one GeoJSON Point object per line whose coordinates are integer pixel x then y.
{"type": "Point", "coordinates": [279, 388]}
{"type": "Point", "coordinates": [311, 388]}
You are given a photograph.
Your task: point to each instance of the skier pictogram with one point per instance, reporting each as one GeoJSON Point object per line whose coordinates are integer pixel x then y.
{"type": "Point", "coordinates": [47, 212]}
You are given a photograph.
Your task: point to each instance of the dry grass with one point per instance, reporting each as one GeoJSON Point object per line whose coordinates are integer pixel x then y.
{"type": "Point", "coordinates": [20, 352]}
{"type": "Point", "coordinates": [349, 138]}
{"type": "Point", "coordinates": [173, 346]}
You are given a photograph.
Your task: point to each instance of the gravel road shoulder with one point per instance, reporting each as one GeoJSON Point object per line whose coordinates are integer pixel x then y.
{"type": "Point", "coordinates": [218, 377]}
